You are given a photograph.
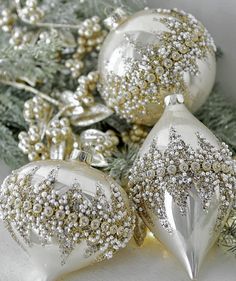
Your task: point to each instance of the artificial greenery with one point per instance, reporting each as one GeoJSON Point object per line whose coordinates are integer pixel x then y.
{"type": "Point", "coordinates": [40, 65]}
{"type": "Point", "coordinates": [219, 115]}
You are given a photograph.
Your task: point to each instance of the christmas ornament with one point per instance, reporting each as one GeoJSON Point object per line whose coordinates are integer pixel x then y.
{"type": "Point", "coordinates": [183, 184]}
{"type": "Point", "coordinates": [66, 215]}
{"type": "Point", "coordinates": [151, 54]}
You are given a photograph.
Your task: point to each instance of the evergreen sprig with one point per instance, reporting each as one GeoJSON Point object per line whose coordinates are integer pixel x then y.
{"type": "Point", "coordinates": [9, 150]}
{"type": "Point", "coordinates": [219, 115]}
{"type": "Point", "coordinates": [228, 235]}
{"type": "Point", "coordinates": [122, 161]}
{"type": "Point", "coordinates": [34, 61]}
{"type": "Point", "coordinates": [67, 12]}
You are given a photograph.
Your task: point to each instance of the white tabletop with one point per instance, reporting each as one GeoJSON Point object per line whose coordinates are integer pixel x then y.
{"type": "Point", "coordinates": [149, 263]}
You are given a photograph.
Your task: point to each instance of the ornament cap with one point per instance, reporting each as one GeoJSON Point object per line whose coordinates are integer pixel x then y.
{"type": "Point", "coordinates": [174, 99]}
{"type": "Point", "coordinates": [116, 18]}
{"type": "Point", "coordinates": [81, 156]}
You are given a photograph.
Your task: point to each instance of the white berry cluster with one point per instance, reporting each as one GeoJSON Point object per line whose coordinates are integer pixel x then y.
{"type": "Point", "coordinates": [7, 20]}
{"type": "Point", "coordinates": [31, 11]}
{"type": "Point", "coordinates": [91, 36]}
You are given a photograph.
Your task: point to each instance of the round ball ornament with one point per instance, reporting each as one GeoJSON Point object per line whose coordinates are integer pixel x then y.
{"type": "Point", "coordinates": [65, 214]}
{"type": "Point", "coordinates": [151, 54]}
{"type": "Point", "coordinates": [183, 184]}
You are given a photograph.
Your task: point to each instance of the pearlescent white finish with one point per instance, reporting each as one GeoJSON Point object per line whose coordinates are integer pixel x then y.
{"type": "Point", "coordinates": [192, 234]}
{"type": "Point", "coordinates": [47, 259]}
{"type": "Point", "coordinates": [143, 28]}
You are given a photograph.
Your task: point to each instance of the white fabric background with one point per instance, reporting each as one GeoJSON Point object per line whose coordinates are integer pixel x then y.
{"type": "Point", "coordinates": [151, 262]}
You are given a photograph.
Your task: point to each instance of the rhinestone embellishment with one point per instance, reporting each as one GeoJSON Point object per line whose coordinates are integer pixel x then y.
{"type": "Point", "coordinates": [177, 170]}
{"type": "Point", "coordinates": [158, 67]}
{"type": "Point", "coordinates": [70, 217]}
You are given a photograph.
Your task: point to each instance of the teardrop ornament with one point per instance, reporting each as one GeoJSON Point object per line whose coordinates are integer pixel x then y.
{"type": "Point", "coordinates": [182, 184]}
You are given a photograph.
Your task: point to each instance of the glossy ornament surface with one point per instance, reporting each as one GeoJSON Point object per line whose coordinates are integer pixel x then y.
{"type": "Point", "coordinates": [65, 215]}
{"type": "Point", "coordinates": [151, 54]}
{"type": "Point", "coordinates": [183, 184]}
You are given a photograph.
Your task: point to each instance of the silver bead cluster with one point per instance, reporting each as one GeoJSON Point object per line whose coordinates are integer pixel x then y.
{"type": "Point", "coordinates": [36, 109]}
{"type": "Point", "coordinates": [19, 38]}
{"type": "Point", "coordinates": [87, 85]}
{"type": "Point", "coordinates": [136, 134]}
{"type": "Point", "coordinates": [104, 143]}
{"type": "Point", "coordinates": [31, 12]}
{"type": "Point", "coordinates": [108, 145]}
{"type": "Point", "coordinates": [91, 36]}
{"type": "Point", "coordinates": [176, 170]}
{"type": "Point", "coordinates": [45, 137]}
{"type": "Point", "coordinates": [69, 217]}
{"type": "Point", "coordinates": [7, 20]}
{"type": "Point", "coordinates": [75, 66]}
{"type": "Point", "coordinates": [37, 113]}
{"type": "Point", "coordinates": [59, 130]}
{"type": "Point", "coordinates": [30, 143]}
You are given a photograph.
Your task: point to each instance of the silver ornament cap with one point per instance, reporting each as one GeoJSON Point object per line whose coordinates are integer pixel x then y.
{"type": "Point", "coordinates": [116, 18]}
{"type": "Point", "coordinates": [174, 99]}
{"type": "Point", "coordinates": [81, 156]}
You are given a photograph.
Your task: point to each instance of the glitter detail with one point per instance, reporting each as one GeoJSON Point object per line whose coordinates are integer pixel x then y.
{"type": "Point", "coordinates": [207, 169]}
{"type": "Point", "coordinates": [70, 218]}
{"type": "Point", "coordinates": [158, 67]}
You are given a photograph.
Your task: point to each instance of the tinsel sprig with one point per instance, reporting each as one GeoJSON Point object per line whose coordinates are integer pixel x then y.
{"type": "Point", "coordinates": [228, 235]}
{"type": "Point", "coordinates": [33, 62]}
{"type": "Point", "coordinates": [121, 162]}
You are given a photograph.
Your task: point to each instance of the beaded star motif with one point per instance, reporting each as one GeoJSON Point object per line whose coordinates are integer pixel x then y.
{"type": "Point", "coordinates": [178, 169]}
{"type": "Point", "coordinates": [70, 218]}
{"type": "Point", "coordinates": [158, 67]}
